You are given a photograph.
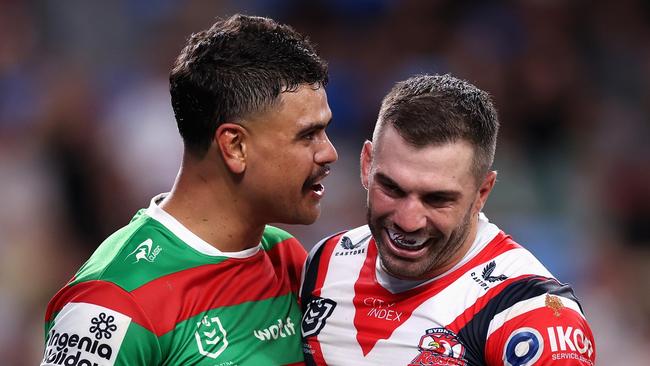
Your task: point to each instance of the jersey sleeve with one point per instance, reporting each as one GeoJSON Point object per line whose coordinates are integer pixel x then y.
{"type": "Point", "coordinates": [98, 323]}
{"type": "Point", "coordinates": [547, 329]}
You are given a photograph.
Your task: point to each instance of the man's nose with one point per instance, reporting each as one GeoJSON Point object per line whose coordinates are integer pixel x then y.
{"type": "Point", "coordinates": [327, 154]}
{"type": "Point", "coordinates": [410, 215]}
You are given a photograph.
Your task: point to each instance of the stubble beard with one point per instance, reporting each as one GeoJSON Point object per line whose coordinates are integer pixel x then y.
{"type": "Point", "coordinates": [440, 251]}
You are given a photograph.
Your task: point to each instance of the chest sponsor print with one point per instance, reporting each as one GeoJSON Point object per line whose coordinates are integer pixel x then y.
{"type": "Point", "coordinates": [280, 329]}
{"type": "Point", "coordinates": [380, 309]}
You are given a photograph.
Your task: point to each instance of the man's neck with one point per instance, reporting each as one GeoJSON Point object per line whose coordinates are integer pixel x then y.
{"type": "Point", "coordinates": [212, 214]}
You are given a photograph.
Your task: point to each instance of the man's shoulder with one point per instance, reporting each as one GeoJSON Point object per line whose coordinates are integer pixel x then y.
{"type": "Point", "coordinates": [136, 254]}
{"type": "Point", "coordinates": [139, 242]}
{"type": "Point", "coordinates": [544, 314]}
{"type": "Point", "coordinates": [343, 243]}
{"type": "Point", "coordinates": [273, 236]}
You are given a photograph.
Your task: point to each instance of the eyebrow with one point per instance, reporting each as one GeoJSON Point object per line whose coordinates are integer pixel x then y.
{"type": "Point", "coordinates": [386, 180]}
{"type": "Point", "coordinates": [313, 126]}
{"type": "Point", "coordinates": [383, 179]}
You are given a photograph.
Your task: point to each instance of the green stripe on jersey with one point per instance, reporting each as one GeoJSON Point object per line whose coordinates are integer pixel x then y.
{"type": "Point", "coordinates": [243, 334]}
{"type": "Point", "coordinates": [272, 236]}
{"type": "Point", "coordinates": [140, 347]}
{"type": "Point", "coordinates": [146, 250]}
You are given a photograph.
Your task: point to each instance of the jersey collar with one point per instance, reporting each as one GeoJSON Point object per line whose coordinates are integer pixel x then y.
{"type": "Point", "coordinates": [157, 213]}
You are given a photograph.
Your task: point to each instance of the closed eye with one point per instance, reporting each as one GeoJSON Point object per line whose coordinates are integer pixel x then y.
{"type": "Point", "coordinates": [389, 186]}
{"type": "Point", "coordinates": [440, 199]}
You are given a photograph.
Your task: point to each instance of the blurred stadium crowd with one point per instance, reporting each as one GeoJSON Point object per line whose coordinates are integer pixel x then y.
{"type": "Point", "coordinates": [87, 135]}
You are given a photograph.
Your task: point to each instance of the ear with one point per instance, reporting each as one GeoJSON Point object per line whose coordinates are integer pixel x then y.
{"type": "Point", "coordinates": [484, 189]}
{"type": "Point", "coordinates": [365, 163]}
{"type": "Point", "coordinates": [231, 139]}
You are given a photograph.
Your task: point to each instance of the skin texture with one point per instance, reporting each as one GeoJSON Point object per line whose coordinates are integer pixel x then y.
{"type": "Point", "coordinates": [287, 152]}
{"type": "Point", "coordinates": [258, 170]}
{"type": "Point", "coordinates": [428, 191]}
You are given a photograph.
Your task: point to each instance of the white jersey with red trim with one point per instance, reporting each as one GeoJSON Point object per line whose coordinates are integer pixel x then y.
{"type": "Point", "coordinates": [498, 306]}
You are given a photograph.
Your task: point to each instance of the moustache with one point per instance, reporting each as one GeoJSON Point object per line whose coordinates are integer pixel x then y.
{"type": "Point", "coordinates": [321, 173]}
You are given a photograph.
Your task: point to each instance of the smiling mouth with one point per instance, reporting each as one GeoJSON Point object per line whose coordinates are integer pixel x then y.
{"type": "Point", "coordinates": [317, 188]}
{"type": "Point", "coordinates": [405, 241]}
{"type": "Point", "coordinates": [314, 184]}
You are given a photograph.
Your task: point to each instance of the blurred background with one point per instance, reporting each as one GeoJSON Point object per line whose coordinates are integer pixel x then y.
{"type": "Point", "coordinates": [87, 134]}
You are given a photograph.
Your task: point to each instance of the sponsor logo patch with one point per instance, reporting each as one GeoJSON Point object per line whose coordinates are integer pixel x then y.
{"type": "Point", "coordinates": [381, 309]}
{"type": "Point", "coordinates": [281, 329]}
{"type": "Point", "coordinates": [145, 252]}
{"type": "Point", "coordinates": [570, 343]}
{"type": "Point", "coordinates": [523, 347]}
{"type": "Point", "coordinates": [349, 248]}
{"type": "Point", "coordinates": [85, 335]}
{"type": "Point", "coordinates": [439, 346]}
{"type": "Point", "coordinates": [210, 337]}
{"type": "Point", "coordinates": [317, 312]}
{"type": "Point", "coordinates": [487, 278]}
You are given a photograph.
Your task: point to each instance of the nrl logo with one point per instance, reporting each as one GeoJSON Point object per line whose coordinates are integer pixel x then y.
{"type": "Point", "coordinates": [318, 310]}
{"type": "Point", "coordinates": [209, 334]}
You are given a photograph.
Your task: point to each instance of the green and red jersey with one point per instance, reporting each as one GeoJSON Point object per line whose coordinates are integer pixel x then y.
{"type": "Point", "coordinates": [154, 293]}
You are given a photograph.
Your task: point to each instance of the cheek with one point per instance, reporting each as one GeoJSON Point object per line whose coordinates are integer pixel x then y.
{"type": "Point", "coordinates": [296, 162]}
{"type": "Point", "coordinates": [381, 204]}
{"type": "Point", "coordinates": [459, 220]}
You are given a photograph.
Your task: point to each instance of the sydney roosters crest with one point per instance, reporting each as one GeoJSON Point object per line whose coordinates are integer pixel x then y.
{"type": "Point", "coordinates": [439, 346]}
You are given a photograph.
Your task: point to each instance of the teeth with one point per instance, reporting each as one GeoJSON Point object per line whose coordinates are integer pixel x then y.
{"type": "Point", "coordinates": [407, 240]}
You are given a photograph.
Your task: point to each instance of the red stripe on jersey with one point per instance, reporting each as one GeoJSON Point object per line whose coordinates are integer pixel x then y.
{"type": "Point", "coordinates": [293, 254]}
{"type": "Point", "coordinates": [101, 293]}
{"type": "Point", "coordinates": [176, 297]}
{"type": "Point", "coordinates": [316, 351]}
{"type": "Point", "coordinates": [324, 262]}
{"type": "Point", "coordinates": [378, 312]}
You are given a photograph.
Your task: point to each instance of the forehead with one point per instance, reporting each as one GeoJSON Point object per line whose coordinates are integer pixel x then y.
{"type": "Point", "coordinates": [293, 110]}
{"type": "Point", "coordinates": [428, 168]}
{"type": "Point", "coordinates": [305, 105]}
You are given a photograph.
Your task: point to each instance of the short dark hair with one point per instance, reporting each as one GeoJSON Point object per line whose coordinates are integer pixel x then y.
{"type": "Point", "coordinates": [236, 68]}
{"type": "Point", "coordinates": [437, 109]}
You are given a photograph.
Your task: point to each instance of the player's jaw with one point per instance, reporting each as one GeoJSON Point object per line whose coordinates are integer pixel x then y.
{"type": "Point", "coordinates": [306, 206]}
{"type": "Point", "coordinates": [418, 255]}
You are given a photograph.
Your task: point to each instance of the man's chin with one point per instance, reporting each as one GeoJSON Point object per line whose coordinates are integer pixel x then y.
{"type": "Point", "coordinates": [403, 268]}
{"type": "Point", "coordinates": [306, 217]}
